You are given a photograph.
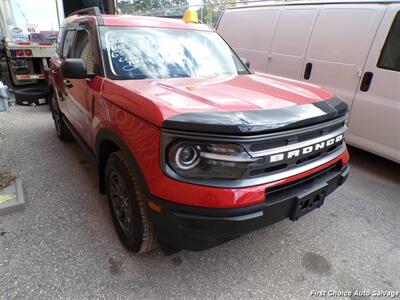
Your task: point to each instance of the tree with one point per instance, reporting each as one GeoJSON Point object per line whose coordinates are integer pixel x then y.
{"type": "Point", "coordinates": [140, 6]}
{"type": "Point", "coordinates": [212, 9]}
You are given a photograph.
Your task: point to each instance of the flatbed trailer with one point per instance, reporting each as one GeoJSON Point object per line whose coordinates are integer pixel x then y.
{"type": "Point", "coordinates": [30, 30]}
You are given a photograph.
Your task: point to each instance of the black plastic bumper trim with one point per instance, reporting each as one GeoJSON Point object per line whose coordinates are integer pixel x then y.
{"type": "Point", "coordinates": [200, 228]}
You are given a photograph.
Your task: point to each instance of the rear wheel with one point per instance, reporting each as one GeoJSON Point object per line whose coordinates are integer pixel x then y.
{"type": "Point", "coordinates": [128, 205]}
{"type": "Point", "coordinates": [62, 130]}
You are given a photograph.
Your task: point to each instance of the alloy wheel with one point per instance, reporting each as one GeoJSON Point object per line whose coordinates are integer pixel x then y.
{"type": "Point", "coordinates": [121, 204]}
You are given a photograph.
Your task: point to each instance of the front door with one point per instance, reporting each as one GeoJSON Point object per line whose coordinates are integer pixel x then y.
{"type": "Point", "coordinates": [375, 117]}
{"type": "Point", "coordinates": [79, 91]}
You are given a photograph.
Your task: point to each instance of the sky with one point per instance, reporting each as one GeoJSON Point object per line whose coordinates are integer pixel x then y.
{"type": "Point", "coordinates": [40, 14]}
{"type": "Point", "coordinates": [195, 2]}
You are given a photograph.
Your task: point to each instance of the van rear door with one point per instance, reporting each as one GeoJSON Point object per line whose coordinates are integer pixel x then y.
{"type": "Point", "coordinates": [339, 45]}
{"type": "Point", "coordinates": [375, 117]}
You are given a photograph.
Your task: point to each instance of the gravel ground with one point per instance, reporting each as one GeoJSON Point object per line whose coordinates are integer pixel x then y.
{"type": "Point", "coordinates": [63, 245]}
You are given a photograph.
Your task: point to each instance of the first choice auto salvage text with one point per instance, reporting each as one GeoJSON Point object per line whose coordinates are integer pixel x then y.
{"type": "Point", "coordinates": [356, 293]}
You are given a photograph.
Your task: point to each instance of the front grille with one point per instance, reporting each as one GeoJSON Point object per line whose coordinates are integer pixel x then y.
{"type": "Point", "coordinates": [283, 140]}
{"type": "Point", "coordinates": [273, 168]}
{"type": "Point", "coordinates": [273, 148]}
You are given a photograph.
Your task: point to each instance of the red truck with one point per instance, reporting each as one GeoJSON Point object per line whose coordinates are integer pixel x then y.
{"type": "Point", "coordinates": [192, 148]}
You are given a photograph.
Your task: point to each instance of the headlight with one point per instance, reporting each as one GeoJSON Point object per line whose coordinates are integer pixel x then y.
{"type": "Point", "coordinates": [186, 157]}
{"type": "Point", "coordinates": [203, 160]}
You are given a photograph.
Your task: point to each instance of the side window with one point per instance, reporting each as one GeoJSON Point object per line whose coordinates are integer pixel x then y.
{"type": "Point", "coordinates": [68, 40]}
{"type": "Point", "coordinates": [390, 55]}
{"type": "Point", "coordinates": [83, 49]}
{"type": "Point", "coordinates": [60, 36]}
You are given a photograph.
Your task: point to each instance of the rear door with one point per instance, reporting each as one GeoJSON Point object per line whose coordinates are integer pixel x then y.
{"type": "Point", "coordinates": [339, 45]}
{"type": "Point", "coordinates": [290, 41]}
{"type": "Point", "coordinates": [375, 117]}
{"type": "Point", "coordinates": [249, 32]}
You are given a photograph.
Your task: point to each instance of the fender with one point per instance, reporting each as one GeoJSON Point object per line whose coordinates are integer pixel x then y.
{"type": "Point", "coordinates": [107, 134]}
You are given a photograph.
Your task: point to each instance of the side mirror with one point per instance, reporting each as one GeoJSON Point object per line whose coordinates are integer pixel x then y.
{"type": "Point", "coordinates": [245, 62]}
{"type": "Point", "coordinates": [75, 68]}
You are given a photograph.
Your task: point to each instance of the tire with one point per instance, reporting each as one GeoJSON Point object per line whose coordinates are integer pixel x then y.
{"type": "Point", "coordinates": [128, 205]}
{"type": "Point", "coordinates": [27, 96]}
{"type": "Point", "coordinates": [62, 130]}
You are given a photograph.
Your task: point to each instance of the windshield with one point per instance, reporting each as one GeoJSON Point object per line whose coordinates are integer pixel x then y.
{"type": "Point", "coordinates": [28, 20]}
{"type": "Point", "coordinates": [140, 53]}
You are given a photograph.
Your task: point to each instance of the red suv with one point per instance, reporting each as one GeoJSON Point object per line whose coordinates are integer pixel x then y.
{"type": "Point", "coordinates": [192, 148]}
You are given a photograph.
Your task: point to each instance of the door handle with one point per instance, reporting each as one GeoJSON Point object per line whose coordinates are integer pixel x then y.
{"type": "Point", "coordinates": [307, 71]}
{"type": "Point", "coordinates": [366, 81]}
{"type": "Point", "coordinates": [67, 83]}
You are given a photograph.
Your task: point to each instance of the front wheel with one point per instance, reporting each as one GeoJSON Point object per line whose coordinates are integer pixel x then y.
{"type": "Point", "coordinates": [62, 130]}
{"type": "Point", "coordinates": [128, 205]}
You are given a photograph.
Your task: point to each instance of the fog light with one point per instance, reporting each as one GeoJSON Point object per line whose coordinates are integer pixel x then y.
{"type": "Point", "coordinates": [20, 53]}
{"type": "Point", "coordinates": [28, 52]}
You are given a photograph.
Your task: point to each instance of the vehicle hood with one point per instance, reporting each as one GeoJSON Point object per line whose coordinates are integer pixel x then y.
{"type": "Point", "coordinates": [244, 103]}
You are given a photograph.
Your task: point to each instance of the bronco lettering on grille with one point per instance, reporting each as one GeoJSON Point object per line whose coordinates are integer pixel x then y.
{"type": "Point", "coordinates": [311, 149]}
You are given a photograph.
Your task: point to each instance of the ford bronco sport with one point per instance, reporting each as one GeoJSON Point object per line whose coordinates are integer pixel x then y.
{"type": "Point", "coordinates": [192, 148]}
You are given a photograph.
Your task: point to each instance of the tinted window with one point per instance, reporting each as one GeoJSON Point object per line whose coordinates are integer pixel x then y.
{"type": "Point", "coordinates": [69, 39]}
{"type": "Point", "coordinates": [390, 55]}
{"type": "Point", "coordinates": [141, 53]}
{"type": "Point", "coordinates": [82, 49]}
{"type": "Point", "coordinates": [59, 41]}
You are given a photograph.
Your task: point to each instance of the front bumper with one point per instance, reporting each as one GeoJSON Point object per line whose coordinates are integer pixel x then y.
{"type": "Point", "coordinates": [199, 228]}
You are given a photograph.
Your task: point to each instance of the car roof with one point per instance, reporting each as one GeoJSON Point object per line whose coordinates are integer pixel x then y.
{"type": "Point", "coordinates": [138, 21]}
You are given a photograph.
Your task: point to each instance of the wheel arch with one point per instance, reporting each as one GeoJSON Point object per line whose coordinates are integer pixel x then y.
{"type": "Point", "coordinates": [107, 142]}
{"type": "Point", "coordinates": [52, 91]}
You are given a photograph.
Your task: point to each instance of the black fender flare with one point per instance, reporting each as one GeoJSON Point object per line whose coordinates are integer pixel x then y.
{"type": "Point", "coordinates": [107, 134]}
{"type": "Point", "coordinates": [52, 90]}
{"type": "Point", "coordinates": [49, 100]}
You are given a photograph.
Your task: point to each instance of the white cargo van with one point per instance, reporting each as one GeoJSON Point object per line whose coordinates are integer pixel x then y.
{"type": "Point", "coordinates": [351, 48]}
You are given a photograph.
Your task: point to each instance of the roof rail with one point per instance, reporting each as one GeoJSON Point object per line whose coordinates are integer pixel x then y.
{"type": "Point", "coordinates": [90, 11]}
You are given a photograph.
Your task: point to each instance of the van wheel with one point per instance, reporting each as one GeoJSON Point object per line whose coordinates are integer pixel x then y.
{"type": "Point", "coordinates": [62, 130]}
{"type": "Point", "coordinates": [128, 205]}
